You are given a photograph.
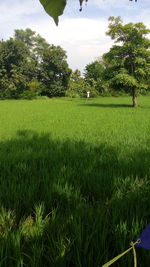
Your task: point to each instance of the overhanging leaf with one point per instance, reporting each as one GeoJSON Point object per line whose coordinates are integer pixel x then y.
{"type": "Point", "coordinates": [54, 8]}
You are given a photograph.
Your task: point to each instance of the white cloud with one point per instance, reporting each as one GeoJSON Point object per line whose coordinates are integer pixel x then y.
{"type": "Point", "coordinates": [14, 10]}
{"type": "Point", "coordinates": [109, 4]}
{"type": "Point", "coordinates": [83, 39]}
{"type": "Point", "coordinates": [119, 4]}
{"type": "Point", "coordinates": [17, 14]}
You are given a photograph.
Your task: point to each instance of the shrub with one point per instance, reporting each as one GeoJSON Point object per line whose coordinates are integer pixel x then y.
{"type": "Point", "coordinates": [34, 90]}
{"type": "Point", "coordinates": [79, 89]}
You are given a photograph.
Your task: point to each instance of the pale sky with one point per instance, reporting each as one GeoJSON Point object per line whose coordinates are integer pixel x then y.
{"type": "Point", "coordinates": [80, 34]}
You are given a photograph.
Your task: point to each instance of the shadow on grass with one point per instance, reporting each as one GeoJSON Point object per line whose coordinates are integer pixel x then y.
{"type": "Point", "coordinates": [107, 105]}
{"type": "Point", "coordinates": [92, 197]}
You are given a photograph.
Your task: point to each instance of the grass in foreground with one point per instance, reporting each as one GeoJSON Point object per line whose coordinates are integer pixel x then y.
{"type": "Point", "coordinates": [75, 181]}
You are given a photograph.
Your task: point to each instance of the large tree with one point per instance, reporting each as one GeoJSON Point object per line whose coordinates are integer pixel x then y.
{"type": "Point", "coordinates": [32, 40]}
{"type": "Point", "coordinates": [28, 61]}
{"type": "Point", "coordinates": [128, 63]}
{"type": "Point", "coordinates": [94, 74]}
{"type": "Point", "coordinates": [54, 71]}
{"type": "Point", "coordinates": [13, 66]}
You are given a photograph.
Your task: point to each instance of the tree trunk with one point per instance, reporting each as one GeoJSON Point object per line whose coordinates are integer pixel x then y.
{"type": "Point", "coordinates": [134, 99]}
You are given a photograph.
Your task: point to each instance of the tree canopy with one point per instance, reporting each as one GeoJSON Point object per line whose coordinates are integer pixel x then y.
{"type": "Point", "coordinates": [30, 66]}
{"type": "Point", "coordinates": [55, 8]}
{"type": "Point", "coordinates": [128, 63]}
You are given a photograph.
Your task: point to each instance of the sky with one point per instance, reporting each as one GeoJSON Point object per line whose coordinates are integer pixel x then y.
{"type": "Point", "coordinates": [80, 34]}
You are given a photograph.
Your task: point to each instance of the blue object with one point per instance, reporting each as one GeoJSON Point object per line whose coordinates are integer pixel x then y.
{"type": "Point", "coordinates": [144, 238]}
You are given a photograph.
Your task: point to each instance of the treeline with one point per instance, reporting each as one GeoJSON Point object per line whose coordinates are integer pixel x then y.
{"type": "Point", "coordinates": [31, 67]}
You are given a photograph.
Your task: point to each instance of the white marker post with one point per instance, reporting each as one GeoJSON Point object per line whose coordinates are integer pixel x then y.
{"type": "Point", "coordinates": [88, 94]}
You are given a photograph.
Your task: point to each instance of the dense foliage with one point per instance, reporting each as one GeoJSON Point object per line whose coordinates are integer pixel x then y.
{"type": "Point", "coordinates": [125, 68]}
{"type": "Point", "coordinates": [94, 75]}
{"type": "Point", "coordinates": [54, 71]}
{"type": "Point", "coordinates": [128, 63]}
{"type": "Point", "coordinates": [79, 86]}
{"type": "Point", "coordinates": [29, 66]}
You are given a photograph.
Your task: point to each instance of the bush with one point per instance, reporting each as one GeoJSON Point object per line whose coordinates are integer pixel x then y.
{"type": "Point", "coordinates": [7, 88]}
{"type": "Point", "coordinates": [29, 94]}
{"type": "Point", "coordinates": [71, 93]}
{"type": "Point", "coordinates": [53, 89]}
{"type": "Point", "coordinates": [34, 90]}
{"type": "Point", "coordinates": [79, 89]}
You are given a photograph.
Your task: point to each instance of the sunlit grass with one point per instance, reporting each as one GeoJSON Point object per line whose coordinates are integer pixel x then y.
{"type": "Point", "coordinates": [74, 180]}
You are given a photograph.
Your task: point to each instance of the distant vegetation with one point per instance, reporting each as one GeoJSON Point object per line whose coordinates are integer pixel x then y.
{"type": "Point", "coordinates": [30, 67]}
{"type": "Point", "coordinates": [74, 180]}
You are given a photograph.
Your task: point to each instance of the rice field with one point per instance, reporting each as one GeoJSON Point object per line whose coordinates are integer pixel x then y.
{"type": "Point", "coordinates": [74, 181]}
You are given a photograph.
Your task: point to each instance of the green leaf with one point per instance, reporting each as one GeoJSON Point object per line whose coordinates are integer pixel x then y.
{"type": "Point", "coordinates": [54, 8]}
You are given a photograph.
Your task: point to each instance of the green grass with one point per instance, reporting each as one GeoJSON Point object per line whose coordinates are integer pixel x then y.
{"type": "Point", "coordinates": [74, 181]}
